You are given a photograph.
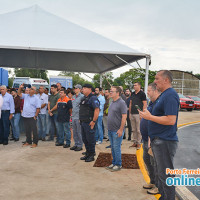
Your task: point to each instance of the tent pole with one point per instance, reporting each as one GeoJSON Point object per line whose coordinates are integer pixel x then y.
{"type": "Point", "coordinates": [147, 74]}
{"type": "Point", "coordinates": [101, 80]}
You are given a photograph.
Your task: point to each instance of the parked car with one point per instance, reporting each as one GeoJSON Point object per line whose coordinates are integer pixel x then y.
{"type": "Point", "coordinates": [196, 101]}
{"type": "Point", "coordinates": [186, 103]}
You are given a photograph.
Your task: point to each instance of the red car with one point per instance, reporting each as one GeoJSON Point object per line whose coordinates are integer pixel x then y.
{"type": "Point", "coordinates": [186, 103]}
{"type": "Point", "coordinates": [196, 101]}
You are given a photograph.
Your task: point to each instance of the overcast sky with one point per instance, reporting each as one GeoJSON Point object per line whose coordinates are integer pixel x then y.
{"type": "Point", "coordinates": [168, 30]}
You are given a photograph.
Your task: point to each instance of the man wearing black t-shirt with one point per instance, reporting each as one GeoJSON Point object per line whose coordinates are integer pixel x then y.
{"type": "Point", "coordinates": [137, 98]}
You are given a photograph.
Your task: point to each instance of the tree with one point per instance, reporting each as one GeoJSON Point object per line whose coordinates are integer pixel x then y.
{"type": "Point", "coordinates": [197, 75]}
{"type": "Point", "coordinates": [77, 79]}
{"type": "Point", "coordinates": [128, 78]}
{"type": "Point", "coordinates": [32, 73]}
{"type": "Point", "coordinates": [107, 80]}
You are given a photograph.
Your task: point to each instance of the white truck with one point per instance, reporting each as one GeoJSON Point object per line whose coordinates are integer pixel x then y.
{"type": "Point", "coordinates": [29, 82]}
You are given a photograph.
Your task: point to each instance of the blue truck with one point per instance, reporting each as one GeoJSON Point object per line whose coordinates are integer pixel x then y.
{"type": "Point", "coordinates": [65, 81]}
{"type": "Point", "coordinates": [3, 77]}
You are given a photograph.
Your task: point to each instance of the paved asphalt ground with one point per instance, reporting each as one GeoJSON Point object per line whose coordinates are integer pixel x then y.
{"type": "Point", "coordinates": [188, 152]}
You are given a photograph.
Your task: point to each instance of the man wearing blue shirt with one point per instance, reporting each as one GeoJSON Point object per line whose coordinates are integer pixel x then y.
{"type": "Point", "coordinates": [7, 110]}
{"type": "Point", "coordinates": [99, 130]}
{"type": "Point", "coordinates": [162, 129]}
{"type": "Point", "coordinates": [30, 113]}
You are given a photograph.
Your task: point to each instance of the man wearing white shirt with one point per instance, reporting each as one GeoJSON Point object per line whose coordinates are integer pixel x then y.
{"type": "Point", "coordinates": [7, 110]}
{"type": "Point", "coordinates": [41, 122]}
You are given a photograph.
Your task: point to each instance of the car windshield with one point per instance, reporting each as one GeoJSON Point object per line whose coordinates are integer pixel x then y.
{"type": "Point", "coordinates": [196, 98]}
{"type": "Point", "coordinates": [181, 96]}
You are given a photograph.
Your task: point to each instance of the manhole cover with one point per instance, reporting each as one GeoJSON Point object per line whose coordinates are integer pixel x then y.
{"type": "Point", "coordinates": [129, 161]}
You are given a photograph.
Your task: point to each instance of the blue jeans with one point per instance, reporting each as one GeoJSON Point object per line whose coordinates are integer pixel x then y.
{"type": "Point", "coordinates": [15, 125]}
{"type": "Point", "coordinates": [77, 133]}
{"type": "Point", "coordinates": [115, 142]}
{"type": "Point", "coordinates": [149, 162]}
{"type": "Point", "coordinates": [41, 123]}
{"type": "Point", "coordinates": [54, 126]}
{"type": "Point", "coordinates": [99, 129]}
{"type": "Point", "coordinates": [64, 129]}
{"type": "Point", "coordinates": [164, 151]}
{"type": "Point", "coordinates": [4, 126]}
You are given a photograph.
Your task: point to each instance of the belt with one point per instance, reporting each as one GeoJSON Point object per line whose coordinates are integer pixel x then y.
{"type": "Point", "coordinates": [4, 111]}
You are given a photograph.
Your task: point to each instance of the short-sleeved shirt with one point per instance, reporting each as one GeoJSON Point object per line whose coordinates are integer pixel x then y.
{"type": "Point", "coordinates": [76, 105]}
{"type": "Point", "coordinates": [167, 104]}
{"type": "Point", "coordinates": [43, 100]}
{"type": "Point", "coordinates": [31, 103]}
{"type": "Point", "coordinates": [137, 99]}
{"type": "Point", "coordinates": [63, 109]}
{"type": "Point", "coordinates": [8, 103]}
{"type": "Point", "coordinates": [115, 111]}
{"type": "Point", "coordinates": [53, 100]}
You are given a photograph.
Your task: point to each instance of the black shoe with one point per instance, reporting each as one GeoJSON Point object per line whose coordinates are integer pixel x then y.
{"type": "Point", "coordinates": [108, 147]}
{"type": "Point", "coordinates": [16, 139]}
{"type": "Point", "coordinates": [78, 149]}
{"type": "Point", "coordinates": [59, 144]}
{"type": "Point", "coordinates": [1, 142]}
{"type": "Point", "coordinates": [90, 158]}
{"type": "Point", "coordinates": [84, 157]}
{"type": "Point", "coordinates": [11, 139]}
{"type": "Point", "coordinates": [73, 148]}
{"type": "Point", "coordinates": [23, 142]}
{"type": "Point", "coordinates": [66, 146]}
{"type": "Point", "coordinates": [129, 139]}
{"type": "Point", "coordinates": [5, 143]}
{"type": "Point", "coordinates": [43, 139]}
{"type": "Point", "coordinates": [107, 140]}
{"type": "Point", "coordinates": [49, 139]}
{"type": "Point", "coordinates": [39, 138]}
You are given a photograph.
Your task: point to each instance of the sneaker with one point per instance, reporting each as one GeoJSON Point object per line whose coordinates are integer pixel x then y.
{"type": "Point", "coordinates": [59, 144]}
{"type": "Point", "coordinates": [116, 168]}
{"type": "Point", "coordinates": [99, 142]}
{"type": "Point", "coordinates": [138, 146]}
{"type": "Point", "coordinates": [43, 139]}
{"type": "Point", "coordinates": [153, 191]}
{"type": "Point", "coordinates": [78, 149]}
{"type": "Point", "coordinates": [110, 167]}
{"type": "Point", "coordinates": [133, 145]}
{"type": "Point", "coordinates": [148, 186]}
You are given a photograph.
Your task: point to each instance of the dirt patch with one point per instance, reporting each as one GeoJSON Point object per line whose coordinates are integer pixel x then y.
{"type": "Point", "coordinates": [129, 161]}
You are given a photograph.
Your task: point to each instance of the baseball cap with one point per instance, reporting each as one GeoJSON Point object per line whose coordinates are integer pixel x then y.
{"type": "Point", "coordinates": [87, 86]}
{"type": "Point", "coordinates": [78, 86]}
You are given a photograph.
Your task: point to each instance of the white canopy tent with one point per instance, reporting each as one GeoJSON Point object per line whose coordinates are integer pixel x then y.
{"type": "Point", "coordinates": [35, 38]}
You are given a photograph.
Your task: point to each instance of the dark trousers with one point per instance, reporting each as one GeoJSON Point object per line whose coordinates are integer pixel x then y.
{"type": "Point", "coordinates": [4, 126]}
{"type": "Point", "coordinates": [30, 126]}
{"type": "Point", "coordinates": [129, 126]}
{"type": "Point", "coordinates": [88, 137]}
{"type": "Point", "coordinates": [149, 162]}
{"type": "Point", "coordinates": [164, 151]}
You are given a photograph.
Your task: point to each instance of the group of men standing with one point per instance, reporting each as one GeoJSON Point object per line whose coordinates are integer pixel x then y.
{"type": "Point", "coordinates": [157, 122]}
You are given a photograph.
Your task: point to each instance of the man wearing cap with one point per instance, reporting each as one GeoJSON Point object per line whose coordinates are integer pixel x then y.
{"type": "Point", "coordinates": [88, 114]}
{"type": "Point", "coordinates": [76, 99]}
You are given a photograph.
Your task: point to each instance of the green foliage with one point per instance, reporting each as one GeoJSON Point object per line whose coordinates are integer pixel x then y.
{"type": "Point", "coordinates": [77, 79]}
{"type": "Point", "coordinates": [107, 80]}
{"type": "Point", "coordinates": [197, 75]}
{"type": "Point", "coordinates": [127, 79]}
{"type": "Point", "coordinates": [10, 81]}
{"type": "Point", "coordinates": [32, 73]}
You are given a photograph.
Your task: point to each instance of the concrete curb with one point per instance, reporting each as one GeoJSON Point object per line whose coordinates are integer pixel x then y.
{"type": "Point", "coordinates": [182, 192]}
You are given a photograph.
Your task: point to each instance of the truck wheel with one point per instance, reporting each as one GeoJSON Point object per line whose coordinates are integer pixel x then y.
{"type": "Point", "coordinates": [189, 109]}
